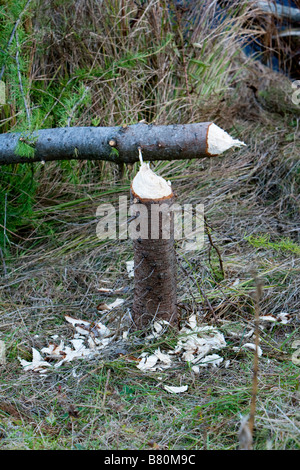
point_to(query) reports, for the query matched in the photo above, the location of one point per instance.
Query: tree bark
(155, 279)
(115, 144)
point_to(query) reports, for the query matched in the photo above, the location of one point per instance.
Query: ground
(117, 63)
(107, 402)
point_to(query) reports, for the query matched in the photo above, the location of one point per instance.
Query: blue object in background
(221, 10)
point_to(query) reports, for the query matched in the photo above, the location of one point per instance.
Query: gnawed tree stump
(154, 252)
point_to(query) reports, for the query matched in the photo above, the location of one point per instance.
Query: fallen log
(116, 144)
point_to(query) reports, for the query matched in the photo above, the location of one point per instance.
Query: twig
(178, 18)
(212, 245)
(27, 109)
(247, 424)
(201, 291)
(3, 262)
(4, 227)
(105, 388)
(258, 295)
(90, 373)
(13, 34)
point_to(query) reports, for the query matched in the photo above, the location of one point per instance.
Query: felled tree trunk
(154, 252)
(116, 144)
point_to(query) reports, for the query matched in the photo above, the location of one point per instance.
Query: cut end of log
(148, 185)
(218, 141)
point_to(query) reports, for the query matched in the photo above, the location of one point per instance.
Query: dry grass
(60, 275)
(57, 263)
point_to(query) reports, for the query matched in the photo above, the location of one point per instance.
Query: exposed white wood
(218, 141)
(147, 185)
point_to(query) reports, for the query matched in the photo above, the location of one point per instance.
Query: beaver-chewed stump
(154, 252)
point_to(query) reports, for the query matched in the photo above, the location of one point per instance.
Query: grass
(53, 262)
(133, 412)
(107, 403)
(282, 245)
